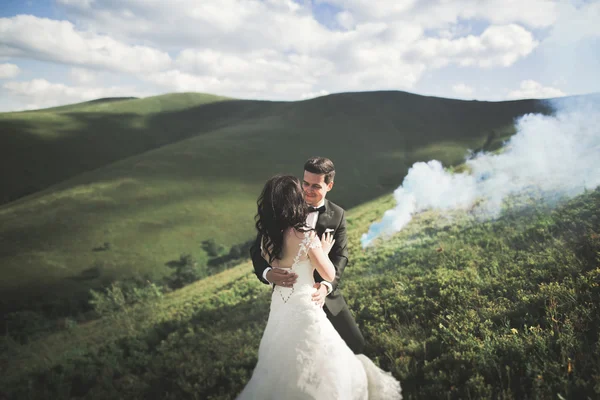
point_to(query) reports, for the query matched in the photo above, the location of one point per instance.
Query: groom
(325, 217)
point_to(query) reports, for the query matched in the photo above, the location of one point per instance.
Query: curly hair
(281, 205)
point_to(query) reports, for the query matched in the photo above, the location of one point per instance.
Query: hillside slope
(41, 148)
(154, 206)
(453, 307)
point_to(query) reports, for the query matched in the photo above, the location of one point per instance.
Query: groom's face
(315, 188)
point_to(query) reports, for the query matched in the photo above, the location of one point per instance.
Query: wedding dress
(301, 356)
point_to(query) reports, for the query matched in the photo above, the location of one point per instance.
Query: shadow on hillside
(204, 340)
(41, 152)
(64, 298)
(225, 333)
(71, 217)
(93, 140)
(359, 131)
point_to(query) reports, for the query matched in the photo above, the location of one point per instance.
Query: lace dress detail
(301, 356)
(309, 242)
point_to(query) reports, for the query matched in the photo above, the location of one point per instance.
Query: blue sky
(40, 8)
(56, 52)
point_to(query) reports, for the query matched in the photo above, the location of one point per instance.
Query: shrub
(186, 272)
(212, 248)
(22, 325)
(121, 294)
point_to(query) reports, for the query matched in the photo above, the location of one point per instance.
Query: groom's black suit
(335, 306)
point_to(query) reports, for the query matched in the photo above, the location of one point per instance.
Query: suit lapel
(324, 219)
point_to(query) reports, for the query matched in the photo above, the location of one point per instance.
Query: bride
(301, 355)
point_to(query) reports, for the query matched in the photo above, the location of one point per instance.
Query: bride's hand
(327, 242)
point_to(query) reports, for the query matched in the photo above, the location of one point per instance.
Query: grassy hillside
(454, 308)
(44, 147)
(104, 102)
(154, 206)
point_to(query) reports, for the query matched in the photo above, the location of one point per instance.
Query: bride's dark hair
(281, 205)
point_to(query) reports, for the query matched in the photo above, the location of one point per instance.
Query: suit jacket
(333, 218)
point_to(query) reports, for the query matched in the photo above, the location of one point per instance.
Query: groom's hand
(320, 295)
(281, 277)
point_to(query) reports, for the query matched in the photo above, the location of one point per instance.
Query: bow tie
(321, 209)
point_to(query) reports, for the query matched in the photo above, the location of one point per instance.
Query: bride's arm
(320, 260)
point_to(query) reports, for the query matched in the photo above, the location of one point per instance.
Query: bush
(121, 294)
(212, 248)
(236, 253)
(241, 250)
(22, 325)
(186, 272)
(506, 309)
(108, 301)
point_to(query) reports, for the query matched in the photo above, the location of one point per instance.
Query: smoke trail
(555, 155)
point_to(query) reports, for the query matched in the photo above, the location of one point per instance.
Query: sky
(55, 52)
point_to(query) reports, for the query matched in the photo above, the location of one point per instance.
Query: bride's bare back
(292, 239)
(291, 243)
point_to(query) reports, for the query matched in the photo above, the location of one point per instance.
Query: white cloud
(345, 19)
(368, 9)
(277, 49)
(576, 23)
(230, 25)
(178, 81)
(82, 75)
(531, 89)
(44, 39)
(39, 93)
(533, 13)
(312, 95)
(496, 46)
(437, 14)
(81, 4)
(8, 71)
(258, 64)
(454, 31)
(348, 61)
(463, 90)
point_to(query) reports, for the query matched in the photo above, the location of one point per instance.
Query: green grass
(149, 105)
(41, 148)
(454, 308)
(155, 177)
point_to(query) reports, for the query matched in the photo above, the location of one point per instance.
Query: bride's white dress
(302, 356)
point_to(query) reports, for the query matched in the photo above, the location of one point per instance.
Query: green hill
(454, 308)
(41, 148)
(191, 174)
(86, 104)
(145, 106)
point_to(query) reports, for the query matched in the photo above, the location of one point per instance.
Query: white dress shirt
(311, 221)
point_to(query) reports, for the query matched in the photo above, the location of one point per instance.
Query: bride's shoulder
(300, 235)
(309, 238)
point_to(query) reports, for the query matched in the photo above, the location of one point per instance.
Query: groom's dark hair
(321, 166)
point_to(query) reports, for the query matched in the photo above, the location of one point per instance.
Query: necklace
(285, 299)
(303, 250)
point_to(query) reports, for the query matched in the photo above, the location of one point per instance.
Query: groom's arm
(338, 253)
(259, 263)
